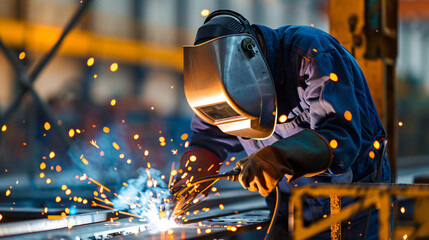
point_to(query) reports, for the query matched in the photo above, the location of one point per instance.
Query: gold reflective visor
(228, 84)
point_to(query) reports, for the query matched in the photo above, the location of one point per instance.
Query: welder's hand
(258, 173)
(195, 163)
(303, 154)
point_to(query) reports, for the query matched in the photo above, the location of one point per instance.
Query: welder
(295, 100)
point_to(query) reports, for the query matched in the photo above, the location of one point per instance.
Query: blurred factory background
(117, 78)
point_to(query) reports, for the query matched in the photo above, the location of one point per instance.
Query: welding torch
(230, 175)
(177, 200)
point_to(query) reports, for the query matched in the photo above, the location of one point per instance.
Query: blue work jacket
(320, 86)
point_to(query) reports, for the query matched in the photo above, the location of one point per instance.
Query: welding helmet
(227, 79)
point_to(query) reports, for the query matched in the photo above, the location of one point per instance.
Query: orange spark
(90, 61)
(348, 115)
(94, 143)
(4, 128)
(115, 145)
(113, 102)
(41, 175)
(376, 144)
(71, 132)
(184, 136)
(99, 184)
(106, 129)
(51, 155)
(205, 12)
(114, 67)
(333, 144)
(47, 126)
(221, 206)
(42, 166)
(333, 77)
(21, 55)
(283, 118)
(7, 193)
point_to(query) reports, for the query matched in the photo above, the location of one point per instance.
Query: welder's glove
(303, 154)
(196, 163)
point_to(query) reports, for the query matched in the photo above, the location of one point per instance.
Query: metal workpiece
(26, 229)
(128, 228)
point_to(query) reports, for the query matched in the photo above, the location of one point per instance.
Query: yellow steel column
(368, 29)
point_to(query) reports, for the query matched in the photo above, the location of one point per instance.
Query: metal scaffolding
(25, 81)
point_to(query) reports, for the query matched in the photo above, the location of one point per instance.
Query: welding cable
(274, 217)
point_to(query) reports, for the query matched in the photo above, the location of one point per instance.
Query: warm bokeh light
(4, 128)
(205, 12)
(58, 199)
(114, 67)
(283, 118)
(47, 126)
(400, 124)
(113, 102)
(371, 154)
(402, 210)
(333, 77)
(63, 187)
(136, 136)
(106, 129)
(333, 144)
(193, 158)
(90, 61)
(51, 154)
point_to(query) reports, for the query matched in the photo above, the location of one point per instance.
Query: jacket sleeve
(210, 137)
(334, 110)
